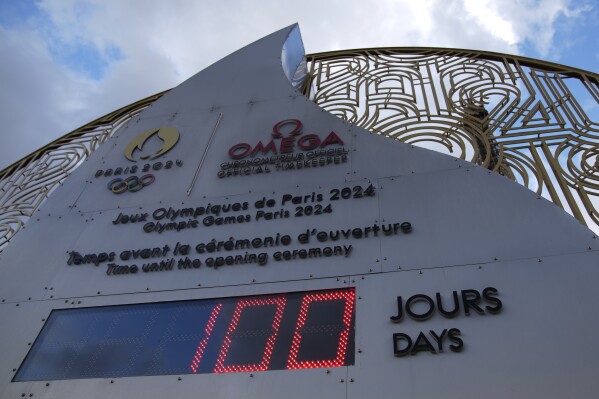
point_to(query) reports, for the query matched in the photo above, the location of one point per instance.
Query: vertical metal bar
(553, 163)
(195, 176)
(538, 162)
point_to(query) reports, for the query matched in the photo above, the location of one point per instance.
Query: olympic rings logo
(131, 183)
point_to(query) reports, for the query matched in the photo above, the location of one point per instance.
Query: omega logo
(168, 135)
(306, 142)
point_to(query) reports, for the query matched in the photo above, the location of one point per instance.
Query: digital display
(299, 330)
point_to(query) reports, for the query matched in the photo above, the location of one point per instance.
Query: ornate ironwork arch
(25, 184)
(526, 119)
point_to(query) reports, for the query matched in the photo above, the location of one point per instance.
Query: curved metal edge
(458, 52)
(104, 120)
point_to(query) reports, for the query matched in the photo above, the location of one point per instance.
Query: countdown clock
(271, 332)
(265, 248)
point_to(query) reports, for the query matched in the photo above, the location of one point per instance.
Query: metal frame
(520, 117)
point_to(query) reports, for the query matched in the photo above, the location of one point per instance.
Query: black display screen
(297, 330)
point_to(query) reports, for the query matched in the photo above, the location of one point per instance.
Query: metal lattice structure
(25, 184)
(522, 118)
(525, 119)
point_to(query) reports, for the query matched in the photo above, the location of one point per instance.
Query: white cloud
(487, 17)
(38, 97)
(518, 21)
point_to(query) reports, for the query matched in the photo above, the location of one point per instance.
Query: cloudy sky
(64, 63)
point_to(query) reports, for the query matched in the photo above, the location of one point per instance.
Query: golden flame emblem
(168, 135)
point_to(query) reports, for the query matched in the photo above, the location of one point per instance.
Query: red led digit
(242, 305)
(195, 362)
(339, 360)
